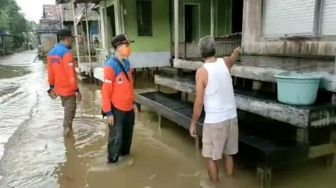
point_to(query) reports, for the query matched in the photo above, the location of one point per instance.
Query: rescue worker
(118, 99)
(62, 77)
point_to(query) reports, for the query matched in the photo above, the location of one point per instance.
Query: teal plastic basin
(297, 88)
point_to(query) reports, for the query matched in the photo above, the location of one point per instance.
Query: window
(299, 17)
(328, 18)
(144, 17)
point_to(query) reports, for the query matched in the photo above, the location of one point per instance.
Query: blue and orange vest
(117, 90)
(61, 71)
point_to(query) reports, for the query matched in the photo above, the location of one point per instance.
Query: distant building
(6, 42)
(49, 24)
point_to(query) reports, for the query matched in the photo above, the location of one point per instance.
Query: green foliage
(13, 21)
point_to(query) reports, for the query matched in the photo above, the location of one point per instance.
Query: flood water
(34, 152)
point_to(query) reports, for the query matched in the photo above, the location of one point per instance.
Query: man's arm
(231, 60)
(51, 74)
(107, 90)
(69, 63)
(201, 80)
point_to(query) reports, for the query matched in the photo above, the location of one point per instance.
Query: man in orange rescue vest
(118, 99)
(62, 77)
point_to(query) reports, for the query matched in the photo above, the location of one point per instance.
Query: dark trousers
(120, 135)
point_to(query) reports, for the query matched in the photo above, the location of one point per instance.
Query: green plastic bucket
(297, 88)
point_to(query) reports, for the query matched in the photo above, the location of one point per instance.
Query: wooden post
(212, 18)
(265, 175)
(235, 81)
(302, 135)
(159, 120)
(157, 87)
(333, 98)
(76, 34)
(331, 160)
(176, 29)
(256, 85)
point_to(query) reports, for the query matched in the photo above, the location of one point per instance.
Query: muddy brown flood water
(37, 155)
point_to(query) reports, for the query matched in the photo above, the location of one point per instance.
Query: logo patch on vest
(120, 80)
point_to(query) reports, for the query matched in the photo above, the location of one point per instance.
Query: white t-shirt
(219, 99)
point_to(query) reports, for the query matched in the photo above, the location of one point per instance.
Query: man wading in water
(214, 89)
(62, 77)
(118, 99)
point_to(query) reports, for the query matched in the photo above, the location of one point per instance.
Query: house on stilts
(276, 36)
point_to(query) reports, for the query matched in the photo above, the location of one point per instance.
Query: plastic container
(297, 88)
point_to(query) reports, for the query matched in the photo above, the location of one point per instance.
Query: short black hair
(207, 47)
(64, 33)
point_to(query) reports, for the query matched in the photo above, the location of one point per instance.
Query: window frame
(142, 33)
(317, 24)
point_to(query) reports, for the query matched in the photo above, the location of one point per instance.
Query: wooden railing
(223, 47)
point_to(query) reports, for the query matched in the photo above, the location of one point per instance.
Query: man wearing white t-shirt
(214, 90)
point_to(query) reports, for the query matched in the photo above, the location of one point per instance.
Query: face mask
(126, 51)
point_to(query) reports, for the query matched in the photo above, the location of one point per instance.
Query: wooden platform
(267, 153)
(318, 115)
(264, 68)
(169, 106)
(263, 152)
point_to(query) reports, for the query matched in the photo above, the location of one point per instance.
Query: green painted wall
(160, 41)
(223, 17)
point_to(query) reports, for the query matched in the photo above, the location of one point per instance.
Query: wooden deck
(263, 68)
(277, 150)
(169, 106)
(318, 115)
(283, 139)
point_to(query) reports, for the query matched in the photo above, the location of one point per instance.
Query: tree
(13, 21)
(3, 20)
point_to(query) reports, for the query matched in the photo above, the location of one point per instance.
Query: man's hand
(236, 54)
(78, 96)
(237, 51)
(136, 110)
(192, 130)
(110, 120)
(52, 94)
(230, 61)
